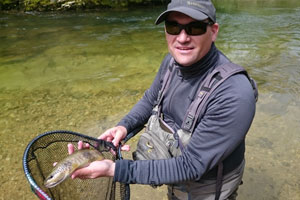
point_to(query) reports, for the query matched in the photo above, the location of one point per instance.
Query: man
(210, 164)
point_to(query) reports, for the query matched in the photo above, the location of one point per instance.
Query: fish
(68, 165)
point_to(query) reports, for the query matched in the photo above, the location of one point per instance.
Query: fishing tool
(49, 147)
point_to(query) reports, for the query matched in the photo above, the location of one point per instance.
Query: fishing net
(51, 147)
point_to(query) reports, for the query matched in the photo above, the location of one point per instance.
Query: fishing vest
(159, 141)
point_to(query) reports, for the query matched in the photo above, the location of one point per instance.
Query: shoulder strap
(166, 82)
(210, 83)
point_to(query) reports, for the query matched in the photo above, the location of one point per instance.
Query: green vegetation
(54, 5)
(48, 5)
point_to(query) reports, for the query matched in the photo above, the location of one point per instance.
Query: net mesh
(51, 147)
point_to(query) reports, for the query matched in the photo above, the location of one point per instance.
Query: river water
(83, 71)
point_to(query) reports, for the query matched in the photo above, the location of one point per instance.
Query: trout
(68, 165)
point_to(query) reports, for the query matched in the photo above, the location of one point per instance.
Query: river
(83, 71)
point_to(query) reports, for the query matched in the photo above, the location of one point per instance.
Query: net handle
(132, 134)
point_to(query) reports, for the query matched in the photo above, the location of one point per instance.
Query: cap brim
(195, 14)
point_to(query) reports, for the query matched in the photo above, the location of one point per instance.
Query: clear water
(83, 71)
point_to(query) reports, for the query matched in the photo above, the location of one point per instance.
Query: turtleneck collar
(208, 61)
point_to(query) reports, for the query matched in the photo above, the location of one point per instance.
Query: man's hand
(95, 169)
(115, 135)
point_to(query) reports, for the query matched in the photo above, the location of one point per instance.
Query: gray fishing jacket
(219, 134)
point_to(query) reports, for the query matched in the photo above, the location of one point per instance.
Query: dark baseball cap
(196, 9)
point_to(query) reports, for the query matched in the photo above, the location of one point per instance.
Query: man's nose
(183, 36)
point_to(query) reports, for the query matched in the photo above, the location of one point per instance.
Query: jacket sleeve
(141, 112)
(227, 118)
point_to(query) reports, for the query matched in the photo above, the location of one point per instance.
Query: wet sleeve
(227, 119)
(141, 112)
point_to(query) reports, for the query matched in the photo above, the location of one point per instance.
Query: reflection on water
(84, 71)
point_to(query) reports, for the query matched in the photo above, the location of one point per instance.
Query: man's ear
(214, 30)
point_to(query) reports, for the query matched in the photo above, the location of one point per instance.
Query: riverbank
(63, 5)
(83, 5)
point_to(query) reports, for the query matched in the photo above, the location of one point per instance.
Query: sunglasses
(193, 28)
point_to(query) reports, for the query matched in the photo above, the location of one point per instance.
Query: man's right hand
(115, 135)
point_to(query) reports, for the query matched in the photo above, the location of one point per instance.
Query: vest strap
(209, 84)
(165, 84)
(219, 181)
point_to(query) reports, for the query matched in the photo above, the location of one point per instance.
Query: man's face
(187, 49)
